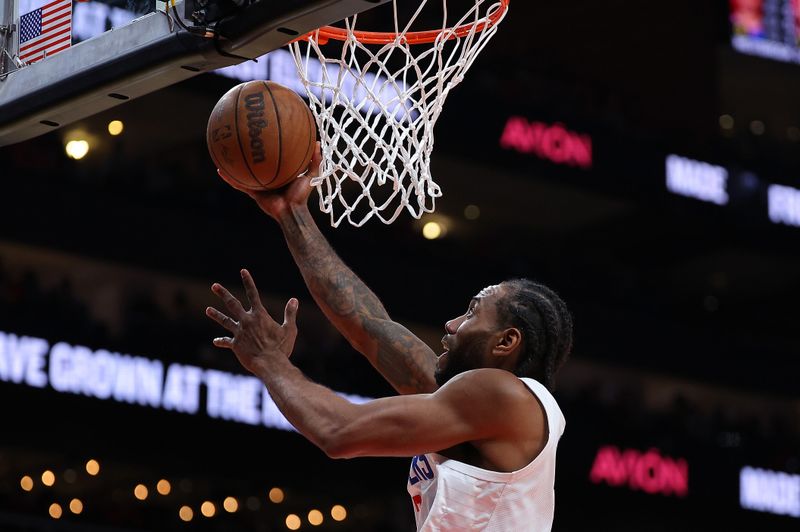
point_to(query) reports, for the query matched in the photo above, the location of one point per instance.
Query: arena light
(48, 478)
(774, 492)
(293, 522)
(140, 492)
(75, 506)
(93, 467)
(276, 495)
(726, 122)
(757, 127)
(185, 513)
(163, 487)
(55, 511)
(432, 230)
(338, 512)
(472, 212)
(315, 517)
(77, 149)
(230, 504)
(253, 503)
(115, 127)
(208, 509)
(26, 483)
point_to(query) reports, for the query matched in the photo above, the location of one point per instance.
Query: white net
(376, 106)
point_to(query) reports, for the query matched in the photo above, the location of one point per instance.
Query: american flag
(45, 31)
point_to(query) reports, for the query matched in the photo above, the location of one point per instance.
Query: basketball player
(478, 420)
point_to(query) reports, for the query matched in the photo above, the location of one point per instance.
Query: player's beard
(466, 355)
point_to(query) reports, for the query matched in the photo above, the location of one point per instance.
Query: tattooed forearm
(402, 358)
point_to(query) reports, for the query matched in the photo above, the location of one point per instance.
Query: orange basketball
(261, 135)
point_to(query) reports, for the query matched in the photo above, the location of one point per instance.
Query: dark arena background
(642, 158)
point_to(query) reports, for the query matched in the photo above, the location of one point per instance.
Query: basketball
(261, 135)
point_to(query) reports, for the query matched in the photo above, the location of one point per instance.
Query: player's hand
(257, 338)
(278, 202)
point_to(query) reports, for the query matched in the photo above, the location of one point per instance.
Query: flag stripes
(45, 31)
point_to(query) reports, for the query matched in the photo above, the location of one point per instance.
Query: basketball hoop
(376, 102)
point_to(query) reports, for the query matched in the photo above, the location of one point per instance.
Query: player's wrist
(292, 214)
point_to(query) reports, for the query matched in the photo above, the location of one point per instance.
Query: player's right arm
(404, 360)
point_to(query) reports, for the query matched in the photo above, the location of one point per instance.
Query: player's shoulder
(491, 383)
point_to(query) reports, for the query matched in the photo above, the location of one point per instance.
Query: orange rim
(412, 37)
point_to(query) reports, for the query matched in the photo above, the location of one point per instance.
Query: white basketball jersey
(449, 495)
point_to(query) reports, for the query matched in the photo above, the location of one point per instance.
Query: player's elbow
(337, 452)
(338, 444)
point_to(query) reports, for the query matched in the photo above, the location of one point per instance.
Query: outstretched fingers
(290, 313)
(251, 290)
(252, 330)
(229, 323)
(231, 303)
(225, 342)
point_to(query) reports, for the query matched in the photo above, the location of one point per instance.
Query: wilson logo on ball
(254, 103)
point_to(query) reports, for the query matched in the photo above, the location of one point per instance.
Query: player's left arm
(472, 406)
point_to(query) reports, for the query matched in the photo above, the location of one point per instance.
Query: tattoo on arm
(402, 358)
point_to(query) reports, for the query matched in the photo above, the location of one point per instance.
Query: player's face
(468, 342)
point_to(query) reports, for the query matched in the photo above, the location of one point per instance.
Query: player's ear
(508, 341)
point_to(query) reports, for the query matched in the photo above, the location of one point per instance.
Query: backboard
(140, 53)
